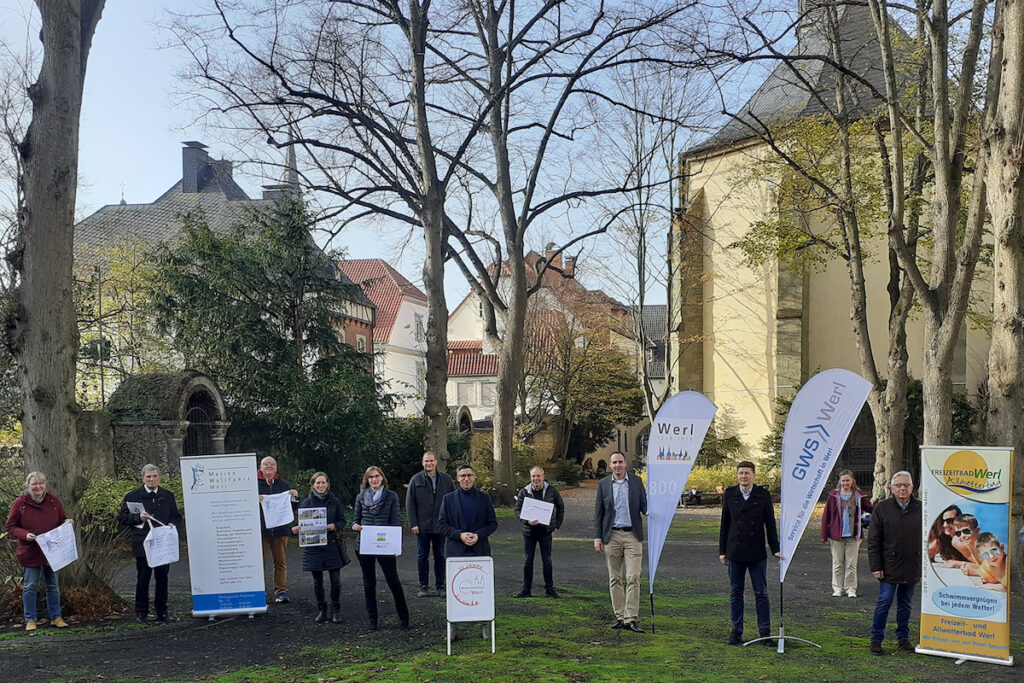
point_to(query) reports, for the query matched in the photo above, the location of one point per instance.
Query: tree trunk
(43, 327)
(937, 384)
(1006, 206)
(510, 370)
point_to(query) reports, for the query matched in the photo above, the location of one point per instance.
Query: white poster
(677, 433)
(818, 423)
(470, 586)
(161, 546)
(534, 510)
(225, 554)
(380, 540)
(59, 546)
(277, 509)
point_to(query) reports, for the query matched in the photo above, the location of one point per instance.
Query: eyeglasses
(466, 476)
(901, 486)
(963, 532)
(948, 521)
(991, 554)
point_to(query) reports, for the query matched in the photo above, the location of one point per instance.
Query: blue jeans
(759, 582)
(530, 542)
(424, 542)
(33, 576)
(904, 594)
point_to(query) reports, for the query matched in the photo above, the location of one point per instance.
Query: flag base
(782, 637)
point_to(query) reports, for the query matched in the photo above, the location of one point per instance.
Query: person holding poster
(894, 553)
(35, 512)
(841, 529)
(422, 505)
(275, 539)
(467, 518)
(378, 506)
(325, 558)
(748, 519)
(140, 508)
(536, 533)
(619, 534)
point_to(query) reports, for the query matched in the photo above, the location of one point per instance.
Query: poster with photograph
(965, 569)
(312, 527)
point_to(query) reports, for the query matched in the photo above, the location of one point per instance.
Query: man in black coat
(748, 519)
(423, 504)
(894, 554)
(619, 534)
(535, 533)
(159, 506)
(466, 518)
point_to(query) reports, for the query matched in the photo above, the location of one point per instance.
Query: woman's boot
(321, 616)
(335, 613)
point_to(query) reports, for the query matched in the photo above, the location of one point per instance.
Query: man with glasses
(894, 554)
(467, 518)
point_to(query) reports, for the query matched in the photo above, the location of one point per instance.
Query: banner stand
(483, 634)
(961, 658)
(782, 630)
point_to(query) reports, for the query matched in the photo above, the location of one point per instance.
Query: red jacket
(28, 516)
(831, 520)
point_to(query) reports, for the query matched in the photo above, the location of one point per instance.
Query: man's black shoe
(769, 642)
(525, 593)
(141, 618)
(632, 626)
(876, 647)
(552, 593)
(165, 618)
(619, 624)
(905, 645)
(735, 639)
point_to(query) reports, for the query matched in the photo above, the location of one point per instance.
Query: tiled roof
(465, 345)
(475, 364)
(783, 96)
(385, 287)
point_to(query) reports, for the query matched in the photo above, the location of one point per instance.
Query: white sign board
(277, 509)
(59, 546)
(380, 540)
(536, 510)
(470, 587)
(225, 553)
(161, 546)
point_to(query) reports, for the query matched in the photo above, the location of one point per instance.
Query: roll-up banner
(818, 423)
(676, 436)
(965, 598)
(225, 555)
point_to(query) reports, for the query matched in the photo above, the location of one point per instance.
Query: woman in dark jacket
(33, 513)
(377, 506)
(841, 529)
(318, 559)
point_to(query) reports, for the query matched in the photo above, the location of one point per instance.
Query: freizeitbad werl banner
(965, 599)
(225, 554)
(677, 433)
(819, 421)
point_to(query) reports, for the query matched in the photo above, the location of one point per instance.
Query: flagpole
(652, 611)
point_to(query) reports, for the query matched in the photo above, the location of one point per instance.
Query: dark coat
(160, 505)
(550, 495)
(831, 519)
(451, 524)
(894, 541)
(265, 489)
(423, 501)
(604, 508)
(325, 557)
(382, 513)
(745, 524)
(29, 517)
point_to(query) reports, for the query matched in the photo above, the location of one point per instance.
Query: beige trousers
(844, 564)
(623, 549)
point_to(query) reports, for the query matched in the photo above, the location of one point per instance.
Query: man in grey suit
(619, 534)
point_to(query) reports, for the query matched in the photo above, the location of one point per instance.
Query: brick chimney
(193, 159)
(570, 265)
(549, 255)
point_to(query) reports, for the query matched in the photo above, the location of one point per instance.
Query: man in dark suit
(467, 518)
(619, 534)
(748, 517)
(160, 507)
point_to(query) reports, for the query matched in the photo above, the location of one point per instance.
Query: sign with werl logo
(470, 586)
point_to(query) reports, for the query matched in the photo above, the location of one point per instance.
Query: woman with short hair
(377, 506)
(325, 558)
(841, 529)
(33, 513)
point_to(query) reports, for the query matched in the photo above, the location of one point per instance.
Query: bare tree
(42, 325)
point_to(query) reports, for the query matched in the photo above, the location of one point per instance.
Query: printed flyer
(965, 601)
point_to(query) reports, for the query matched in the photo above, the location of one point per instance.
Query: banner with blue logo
(965, 568)
(818, 423)
(225, 551)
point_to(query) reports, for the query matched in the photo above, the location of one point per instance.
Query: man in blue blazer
(467, 518)
(619, 534)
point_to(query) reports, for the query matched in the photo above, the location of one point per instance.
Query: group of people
(456, 520)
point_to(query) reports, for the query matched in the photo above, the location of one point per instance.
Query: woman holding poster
(377, 506)
(325, 558)
(33, 513)
(841, 529)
